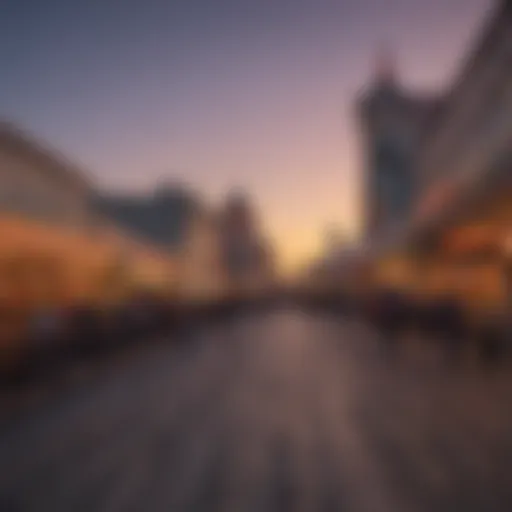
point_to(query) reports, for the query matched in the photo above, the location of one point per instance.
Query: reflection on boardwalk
(281, 412)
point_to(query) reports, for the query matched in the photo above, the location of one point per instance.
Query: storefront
(42, 265)
(458, 247)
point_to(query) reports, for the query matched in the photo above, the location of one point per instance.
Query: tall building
(247, 257)
(457, 240)
(465, 162)
(393, 121)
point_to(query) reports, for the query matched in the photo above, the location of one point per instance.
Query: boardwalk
(285, 412)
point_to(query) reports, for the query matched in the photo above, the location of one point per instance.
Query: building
(393, 121)
(174, 220)
(247, 256)
(162, 218)
(54, 246)
(39, 183)
(44, 204)
(202, 276)
(464, 217)
(456, 240)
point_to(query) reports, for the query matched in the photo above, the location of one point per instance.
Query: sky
(253, 94)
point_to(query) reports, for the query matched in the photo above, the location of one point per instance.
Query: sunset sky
(248, 93)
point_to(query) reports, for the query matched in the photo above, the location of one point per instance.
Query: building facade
(392, 123)
(247, 256)
(55, 247)
(456, 239)
(201, 275)
(39, 183)
(464, 218)
(475, 128)
(162, 218)
(174, 220)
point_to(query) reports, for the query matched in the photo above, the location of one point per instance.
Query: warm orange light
(473, 239)
(43, 263)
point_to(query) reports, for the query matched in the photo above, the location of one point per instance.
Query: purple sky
(220, 93)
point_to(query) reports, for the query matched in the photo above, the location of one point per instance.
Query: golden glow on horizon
(301, 247)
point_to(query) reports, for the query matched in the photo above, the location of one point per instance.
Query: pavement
(282, 411)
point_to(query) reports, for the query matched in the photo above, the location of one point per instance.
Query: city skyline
(251, 94)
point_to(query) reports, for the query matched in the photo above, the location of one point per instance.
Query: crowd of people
(55, 337)
(441, 319)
